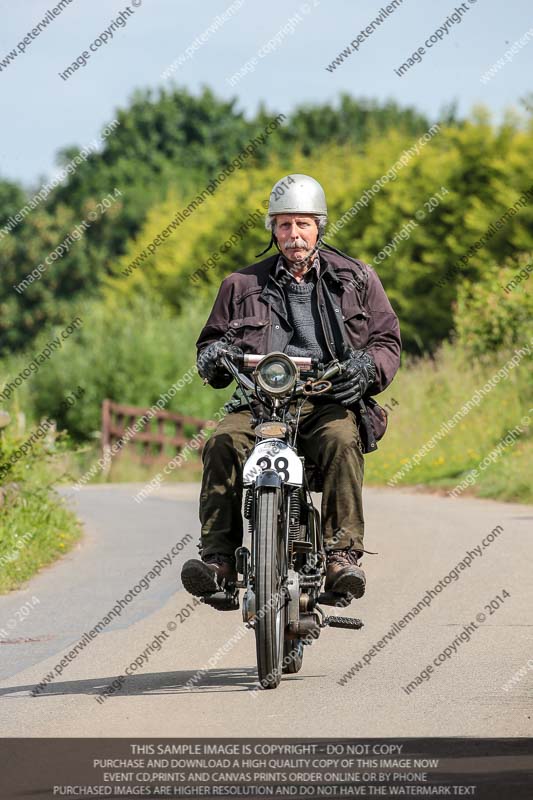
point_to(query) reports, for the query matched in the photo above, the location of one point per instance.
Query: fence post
(106, 435)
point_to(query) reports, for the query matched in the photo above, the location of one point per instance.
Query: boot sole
(349, 584)
(198, 579)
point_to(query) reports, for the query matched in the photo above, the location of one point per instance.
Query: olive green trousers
(327, 435)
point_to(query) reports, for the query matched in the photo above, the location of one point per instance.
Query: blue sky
(42, 112)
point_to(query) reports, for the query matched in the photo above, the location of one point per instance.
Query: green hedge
(35, 525)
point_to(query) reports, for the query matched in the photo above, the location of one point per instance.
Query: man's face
(296, 235)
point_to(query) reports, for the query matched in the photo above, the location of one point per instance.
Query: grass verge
(35, 525)
(428, 393)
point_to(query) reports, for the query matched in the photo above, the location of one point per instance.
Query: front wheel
(269, 594)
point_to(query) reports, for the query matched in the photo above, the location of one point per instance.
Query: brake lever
(232, 369)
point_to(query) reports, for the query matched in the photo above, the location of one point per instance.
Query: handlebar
(249, 361)
(304, 363)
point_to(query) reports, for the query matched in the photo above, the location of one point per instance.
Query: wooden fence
(153, 440)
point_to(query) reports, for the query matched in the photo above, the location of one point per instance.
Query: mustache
(297, 245)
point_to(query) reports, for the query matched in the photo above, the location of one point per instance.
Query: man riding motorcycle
(306, 301)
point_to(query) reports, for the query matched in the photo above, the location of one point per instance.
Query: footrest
(344, 622)
(222, 601)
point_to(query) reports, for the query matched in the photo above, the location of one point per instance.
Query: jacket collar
(283, 275)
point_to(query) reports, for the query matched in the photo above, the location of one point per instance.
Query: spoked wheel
(293, 656)
(269, 598)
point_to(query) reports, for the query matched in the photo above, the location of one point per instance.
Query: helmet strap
(272, 241)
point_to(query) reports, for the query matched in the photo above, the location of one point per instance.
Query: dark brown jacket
(250, 311)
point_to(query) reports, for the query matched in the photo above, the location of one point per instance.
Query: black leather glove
(209, 366)
(356, 378)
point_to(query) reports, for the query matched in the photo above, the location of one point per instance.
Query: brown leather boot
(344, 575)
(212, 574)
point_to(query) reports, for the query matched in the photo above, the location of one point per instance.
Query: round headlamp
(276, 374)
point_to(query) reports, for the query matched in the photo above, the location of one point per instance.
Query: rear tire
(269, 599)
(293, 656)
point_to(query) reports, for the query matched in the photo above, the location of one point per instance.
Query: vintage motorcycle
(283, 571)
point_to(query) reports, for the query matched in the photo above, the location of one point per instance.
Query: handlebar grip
(331, 371)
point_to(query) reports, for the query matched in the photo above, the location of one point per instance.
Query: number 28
(280, 465)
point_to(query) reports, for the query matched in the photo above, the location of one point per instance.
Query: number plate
(274, 454)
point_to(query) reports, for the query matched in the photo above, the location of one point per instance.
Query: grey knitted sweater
(302, 308)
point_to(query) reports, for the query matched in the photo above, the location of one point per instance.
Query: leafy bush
(132, 354)
(496, 311)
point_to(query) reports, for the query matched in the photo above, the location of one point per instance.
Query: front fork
(303, 583)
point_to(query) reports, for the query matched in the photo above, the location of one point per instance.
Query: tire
(293, 656)
(269, 567)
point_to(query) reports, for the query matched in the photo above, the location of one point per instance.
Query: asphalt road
(420, 539)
